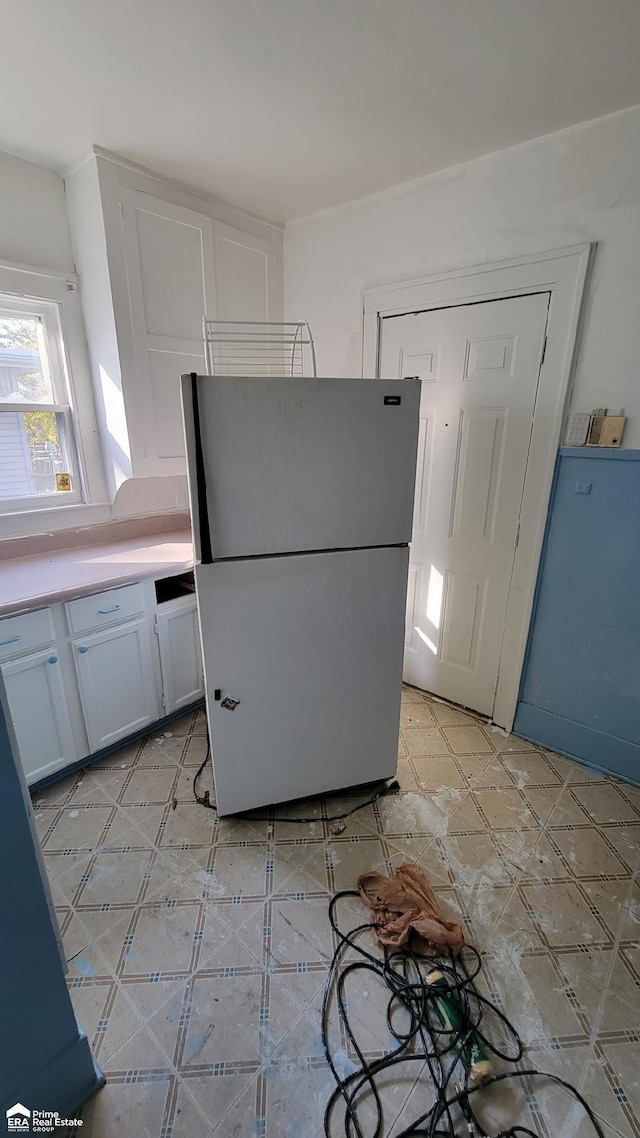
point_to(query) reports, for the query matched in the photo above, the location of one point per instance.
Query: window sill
(28, 523)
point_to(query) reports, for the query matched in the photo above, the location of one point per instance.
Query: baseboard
(605, 753)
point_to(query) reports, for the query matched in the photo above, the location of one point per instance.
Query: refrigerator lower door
(311, 647)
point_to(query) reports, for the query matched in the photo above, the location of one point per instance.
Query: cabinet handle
(105, 612)
(11, 640)
(83, 649)
(53, 659)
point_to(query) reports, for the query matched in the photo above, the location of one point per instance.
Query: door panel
(479, 366)
(180, 658)
(170, 275)
(115, 675)
(38, 710)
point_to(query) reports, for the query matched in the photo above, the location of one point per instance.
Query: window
(38, 453)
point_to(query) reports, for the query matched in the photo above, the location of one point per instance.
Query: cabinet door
(115, 675)
(180, 656)
(170, 276)
(38, 710)
(248, 277)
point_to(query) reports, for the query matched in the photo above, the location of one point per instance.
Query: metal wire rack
(244, 347)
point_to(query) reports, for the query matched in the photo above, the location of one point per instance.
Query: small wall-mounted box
(612, 429)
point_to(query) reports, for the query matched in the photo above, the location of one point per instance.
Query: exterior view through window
(37, 453)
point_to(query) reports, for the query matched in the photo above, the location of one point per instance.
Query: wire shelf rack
(243, 347)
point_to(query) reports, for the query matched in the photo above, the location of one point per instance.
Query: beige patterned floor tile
(296, 1094)
(568, 811)
(348, 860)
(626, 840)
(127, 1108)
(115, 878)
(189, 825)
(587, 853)
(529, 768)
(469, 740)
(422, 852)
(544, 861)
(495, 774)
(139, 1053)
(151, 994)
(78, 828)
(57, 793)
(149, 787)
(120, 1021)
(300, 932)
(186, 1119)
(163, 750)
(436, 771)
(195, 751)
(88, 927)
(425, 741)
(604, 803)
(227, 1100)
(559, 912)
(215, 1004)
(610, 1066)
(417, 715)
(242, 870)
(90, 963)
(427, 813)
(504, 808)
(89, 999)
(163, 939)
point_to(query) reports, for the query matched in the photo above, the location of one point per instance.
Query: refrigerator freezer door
(294, 465)
(311, 648)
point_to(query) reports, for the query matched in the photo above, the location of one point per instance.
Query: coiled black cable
(404, 974)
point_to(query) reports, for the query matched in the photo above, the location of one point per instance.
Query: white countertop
(48, 578)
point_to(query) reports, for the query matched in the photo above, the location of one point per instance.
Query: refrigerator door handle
(201, 485)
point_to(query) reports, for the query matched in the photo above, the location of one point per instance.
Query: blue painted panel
(583, 659)
(45, 1059)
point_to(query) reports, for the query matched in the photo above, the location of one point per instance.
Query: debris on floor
(405, 911)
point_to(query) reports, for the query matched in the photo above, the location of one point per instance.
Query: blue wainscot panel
(580, 692)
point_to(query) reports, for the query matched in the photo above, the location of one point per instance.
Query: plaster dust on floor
(172, 915)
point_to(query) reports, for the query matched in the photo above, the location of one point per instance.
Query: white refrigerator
(302, 501)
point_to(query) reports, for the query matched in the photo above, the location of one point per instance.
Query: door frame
(563, 273)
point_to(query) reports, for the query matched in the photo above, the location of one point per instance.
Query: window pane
(33, 454)
(24, 367)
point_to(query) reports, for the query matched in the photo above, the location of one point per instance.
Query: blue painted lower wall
(45, 1059)
(580, 691)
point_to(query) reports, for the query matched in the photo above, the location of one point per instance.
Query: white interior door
(479, 365)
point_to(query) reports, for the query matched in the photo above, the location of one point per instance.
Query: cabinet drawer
(102, 609)
(20, 634)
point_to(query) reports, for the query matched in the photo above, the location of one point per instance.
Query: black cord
(424, 1040)
(267, 816)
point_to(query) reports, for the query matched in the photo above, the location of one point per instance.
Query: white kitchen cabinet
(155, 257)
(180, 655)
(116, 680)
(38, 709)
(170, 277)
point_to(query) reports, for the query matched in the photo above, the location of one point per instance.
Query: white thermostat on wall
(577, 428)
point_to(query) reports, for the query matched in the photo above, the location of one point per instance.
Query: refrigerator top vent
(242, 347)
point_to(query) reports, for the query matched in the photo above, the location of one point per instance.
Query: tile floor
(198, 947)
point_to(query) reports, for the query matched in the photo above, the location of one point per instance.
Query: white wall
(34, 229)
(581, 184)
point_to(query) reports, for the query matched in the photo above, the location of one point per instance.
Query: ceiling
(289, 106)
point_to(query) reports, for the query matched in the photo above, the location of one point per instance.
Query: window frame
(48, 312)
(26, 287)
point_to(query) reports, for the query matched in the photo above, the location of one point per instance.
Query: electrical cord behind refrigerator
(422, 1038)
(205, 800)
